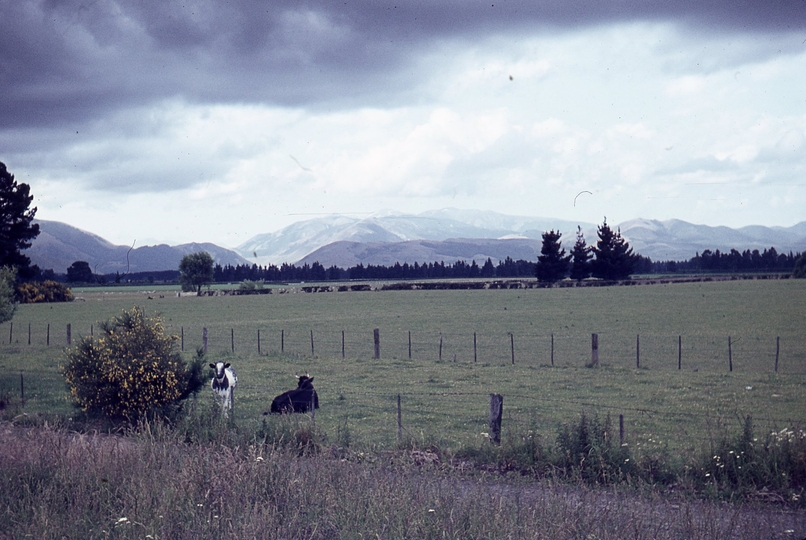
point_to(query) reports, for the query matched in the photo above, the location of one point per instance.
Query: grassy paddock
(445, 402)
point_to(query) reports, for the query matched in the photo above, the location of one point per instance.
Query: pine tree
(16, 230)
(552, 263)
(614, 256)
(580, 258)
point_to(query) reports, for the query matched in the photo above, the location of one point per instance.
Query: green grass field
(445, 402)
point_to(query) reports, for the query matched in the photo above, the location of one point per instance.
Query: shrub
(746, 465)
(130, 369)
(46, 291)
(587, 451)
(248, 286)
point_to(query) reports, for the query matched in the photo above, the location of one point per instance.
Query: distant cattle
(297, 400)
(224, 382)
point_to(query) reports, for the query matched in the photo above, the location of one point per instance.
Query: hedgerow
(130, 369)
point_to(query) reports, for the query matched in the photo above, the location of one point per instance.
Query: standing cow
(297, 400)
(224, 382)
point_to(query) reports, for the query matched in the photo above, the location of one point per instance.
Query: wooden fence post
(342, 345)
(69, 335)
(409, 344)
(679, 352)
(313, 353)
(730, 355)
(204, 340)
(258, 341)
(777, 351)
(496, 413)
(399, 422)
(594, 350)
(475, 352)
(552, 350)
(29, 333)
(512, 346)
(10, 331)
(232, 339)
(440, 346)
(376, 334)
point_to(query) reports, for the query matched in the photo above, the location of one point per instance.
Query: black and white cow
(298, 400)
(224, 382)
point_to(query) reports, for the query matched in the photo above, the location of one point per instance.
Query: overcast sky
(171, 122)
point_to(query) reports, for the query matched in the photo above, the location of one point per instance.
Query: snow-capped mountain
(380, 238)
(679, 240)
(389, 237)
(297, 241)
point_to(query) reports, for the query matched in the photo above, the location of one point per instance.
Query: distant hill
(384, 239)
(448, 235)
(296, 242)
(678, 240)
(59, 245)
(346, 254)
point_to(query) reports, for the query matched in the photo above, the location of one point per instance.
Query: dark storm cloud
(64, 62)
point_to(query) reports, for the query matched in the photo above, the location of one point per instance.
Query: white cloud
(621, 111)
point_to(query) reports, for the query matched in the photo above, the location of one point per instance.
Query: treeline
(768, 260)
(709, 261)
(317, 272)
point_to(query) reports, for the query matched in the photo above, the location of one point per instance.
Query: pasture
(445, 401)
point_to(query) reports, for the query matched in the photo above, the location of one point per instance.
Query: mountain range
(59, 245)
(386, 238)
(449, 235)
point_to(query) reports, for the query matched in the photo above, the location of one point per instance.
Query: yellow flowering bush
(130, 368)
(33, 292)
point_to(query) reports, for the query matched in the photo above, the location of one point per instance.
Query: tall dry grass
(155, 483)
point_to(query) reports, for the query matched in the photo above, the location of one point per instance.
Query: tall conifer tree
(580, 258)
(16, 229)
(614, 256)
(552, 263)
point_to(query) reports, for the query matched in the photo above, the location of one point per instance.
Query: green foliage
(746, 465)
(614, 258)
(294, 433)
(153, 484)
(196, 270)
(8, 276)
(248, 286)
(130, 369)
(800, 267)
(552, 263)
(80, 272)
(16, 229)
(34, 292)
(580, 258)
(586, 450)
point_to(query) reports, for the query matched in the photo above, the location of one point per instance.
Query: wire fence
(711, 352)
(387, 416)
(706, 351)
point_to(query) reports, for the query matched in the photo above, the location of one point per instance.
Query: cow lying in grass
(224, 382)
(298, 400)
